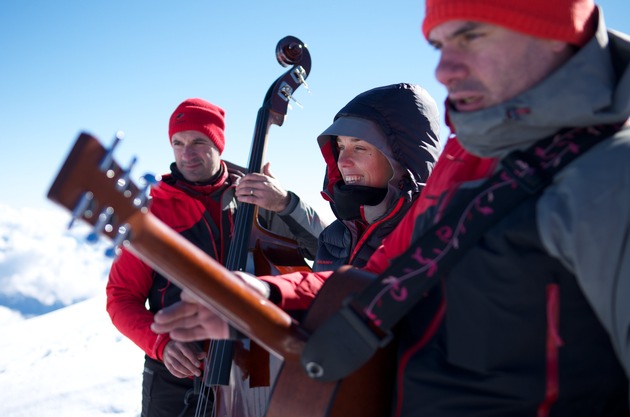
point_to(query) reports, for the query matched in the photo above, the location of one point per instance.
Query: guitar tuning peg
(149, 180)
(83, 208)
(108, 159)
(121, 237)
(101, 224)
(123, 182)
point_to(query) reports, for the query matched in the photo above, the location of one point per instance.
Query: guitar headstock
(94, 188)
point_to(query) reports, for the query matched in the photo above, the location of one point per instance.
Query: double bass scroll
(289, 51)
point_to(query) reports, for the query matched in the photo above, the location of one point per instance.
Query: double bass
(240, 373)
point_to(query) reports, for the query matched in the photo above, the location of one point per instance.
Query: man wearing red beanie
(199, 200)
(532, 319)
(520, 306)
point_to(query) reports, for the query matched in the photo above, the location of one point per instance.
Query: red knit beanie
(202, 116)
(564, 20)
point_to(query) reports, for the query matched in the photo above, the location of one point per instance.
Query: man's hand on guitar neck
(189, 321)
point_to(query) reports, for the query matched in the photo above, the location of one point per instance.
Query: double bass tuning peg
(286, 92)
(299, 75)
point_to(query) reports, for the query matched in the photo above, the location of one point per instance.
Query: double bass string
(290, 51)
(206, 390)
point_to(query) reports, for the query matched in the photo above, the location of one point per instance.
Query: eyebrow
(465, 27)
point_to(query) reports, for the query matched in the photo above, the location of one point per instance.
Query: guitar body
(366, 393)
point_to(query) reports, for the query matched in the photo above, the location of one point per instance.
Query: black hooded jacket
(407, 119)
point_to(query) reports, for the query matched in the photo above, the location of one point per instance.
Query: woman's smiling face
(360, 163)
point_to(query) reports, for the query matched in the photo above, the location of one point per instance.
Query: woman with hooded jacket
(400, 122)
(379, 152)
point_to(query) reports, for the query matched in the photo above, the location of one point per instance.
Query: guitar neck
(219, 289)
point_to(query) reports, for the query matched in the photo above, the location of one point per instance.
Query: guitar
(95, 189)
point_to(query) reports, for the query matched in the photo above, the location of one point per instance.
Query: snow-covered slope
(60, 356)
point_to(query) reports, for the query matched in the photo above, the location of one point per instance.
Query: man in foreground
(532, 320)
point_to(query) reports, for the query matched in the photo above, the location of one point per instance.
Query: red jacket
(132, 282)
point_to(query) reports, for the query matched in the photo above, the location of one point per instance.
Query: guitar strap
(351, 336)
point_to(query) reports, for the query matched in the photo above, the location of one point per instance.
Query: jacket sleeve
(299, 222)
(127, 291)
(295, 291)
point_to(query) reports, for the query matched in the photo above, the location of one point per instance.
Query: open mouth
(467, 103)
(352, 179)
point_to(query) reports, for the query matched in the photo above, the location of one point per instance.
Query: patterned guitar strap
(351, 336)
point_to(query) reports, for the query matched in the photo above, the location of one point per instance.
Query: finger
(175, 372)
(181, 369)
(180, 323)
(246, 192)
(179, 310)
(182, 359)
(172, 363)
(191, 334)
(209, 326)
(267, 170)
(250, 180)
(191, 353)
(165, 321)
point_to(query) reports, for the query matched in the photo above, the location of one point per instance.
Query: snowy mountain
(59, 353)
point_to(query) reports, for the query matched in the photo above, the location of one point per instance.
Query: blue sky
(103, 66)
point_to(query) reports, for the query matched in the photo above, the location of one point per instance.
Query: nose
(344, 160)
(187, 151)
(451, 67)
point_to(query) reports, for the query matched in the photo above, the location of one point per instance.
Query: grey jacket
(583, 218)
